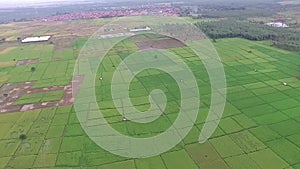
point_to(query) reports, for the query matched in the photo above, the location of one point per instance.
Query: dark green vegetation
(282, 38)
(236, 12)
(22, 137)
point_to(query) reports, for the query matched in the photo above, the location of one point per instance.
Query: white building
(278, 24)
(140, 29)
(36, 39)
(116, 35)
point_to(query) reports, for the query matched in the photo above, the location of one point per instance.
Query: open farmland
(260, 127)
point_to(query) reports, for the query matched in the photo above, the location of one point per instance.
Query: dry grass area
(6, 50)
(7, 64)
(59, 30)
(63, 34)
(63, 42)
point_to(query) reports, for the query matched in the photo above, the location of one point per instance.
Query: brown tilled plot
(153, 41)
(28, 62)
(10, 93)
(159, 44)
(61, 43)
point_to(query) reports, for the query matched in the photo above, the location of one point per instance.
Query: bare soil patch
(160, 44)
(61, 43)
(28, 62)
(10, 93)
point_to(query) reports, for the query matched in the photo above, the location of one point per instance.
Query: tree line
(283, 38)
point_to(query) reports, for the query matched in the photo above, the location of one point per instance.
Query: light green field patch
(73, 118)
(276, 96)
(268, 159)
(29, 146)
(259, 110)
(297, 166)
(73, 130)
(242, 94)
(228, 125)
(255, 85)
(264, 133)
(101, 157)
(268, 70)
(38, 130)
(270, 118)
(226, 147)
(22, 161)
(193, 136)
(218, 132)
(205, 156)
(8, 147)
(247, 142)
(241, 161)
(55, 131)
(286, 150)
(29, 116)
(40, 97)
(5, 127)
(244, 121)
(286, 128)
(150, 163)
(202, 115)
(39, 72)
(18, 129)
(31, 51)
(50, 146)
(70, 144)
(285, 104)
(45, 117)
(66, 54)
(4, 79)
(71, 159)
(230, 110)
(4, 161)
(124, 164)
(265, 90)
(294, 112)
(60, 119)
(249, 102)
(295, 139)
(178, 160)
(45, 160)
(63, 109)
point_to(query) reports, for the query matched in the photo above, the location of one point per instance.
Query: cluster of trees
(240, 13)
(283, 38)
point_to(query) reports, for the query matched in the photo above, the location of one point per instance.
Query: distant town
(163, 10)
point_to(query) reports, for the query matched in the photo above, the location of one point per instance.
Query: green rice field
(260, 127)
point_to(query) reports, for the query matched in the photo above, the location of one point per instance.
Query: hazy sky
(17, 3)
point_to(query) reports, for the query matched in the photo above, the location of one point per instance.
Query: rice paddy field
(259, 129)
